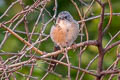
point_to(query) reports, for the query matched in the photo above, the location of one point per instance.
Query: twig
(95, 17)
(106, 28)
(111, 46)
(68, 48)
(73, 67)
(9, 8)
(99, 41)
(21, 39)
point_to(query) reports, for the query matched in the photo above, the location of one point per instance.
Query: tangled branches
(35, 42)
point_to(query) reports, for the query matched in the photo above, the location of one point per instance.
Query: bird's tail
(53, 64)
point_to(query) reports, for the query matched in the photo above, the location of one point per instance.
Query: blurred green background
(14, 45)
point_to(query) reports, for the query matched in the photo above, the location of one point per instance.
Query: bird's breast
(64, 33)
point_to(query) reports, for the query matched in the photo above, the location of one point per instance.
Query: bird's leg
(74, 47)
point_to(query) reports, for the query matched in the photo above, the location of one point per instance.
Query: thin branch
(110, 72)
(5, 13)
(21, 39)
(111, 46)
(19, 64)
(73, 67)
(94, 42)
(95, 17)
(110, 20)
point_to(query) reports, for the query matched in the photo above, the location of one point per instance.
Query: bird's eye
(65, 17)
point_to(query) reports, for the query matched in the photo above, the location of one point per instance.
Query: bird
(64, 32)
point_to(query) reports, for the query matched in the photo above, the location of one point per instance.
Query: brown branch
(110, 72)
(22, 32)
(21, 39)
(36, 22)
(5, 13)
(95, 17)
(65, 64)
(28, 37)
(99, 41)
(24, 75)
(92, 42)
(46, 59)
(118, 33)
(111, 46)
(13, 63)
(19, 64)
(40, 52)
(28, 10)
(106, 28)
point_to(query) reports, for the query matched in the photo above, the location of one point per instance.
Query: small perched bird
(64, 32)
